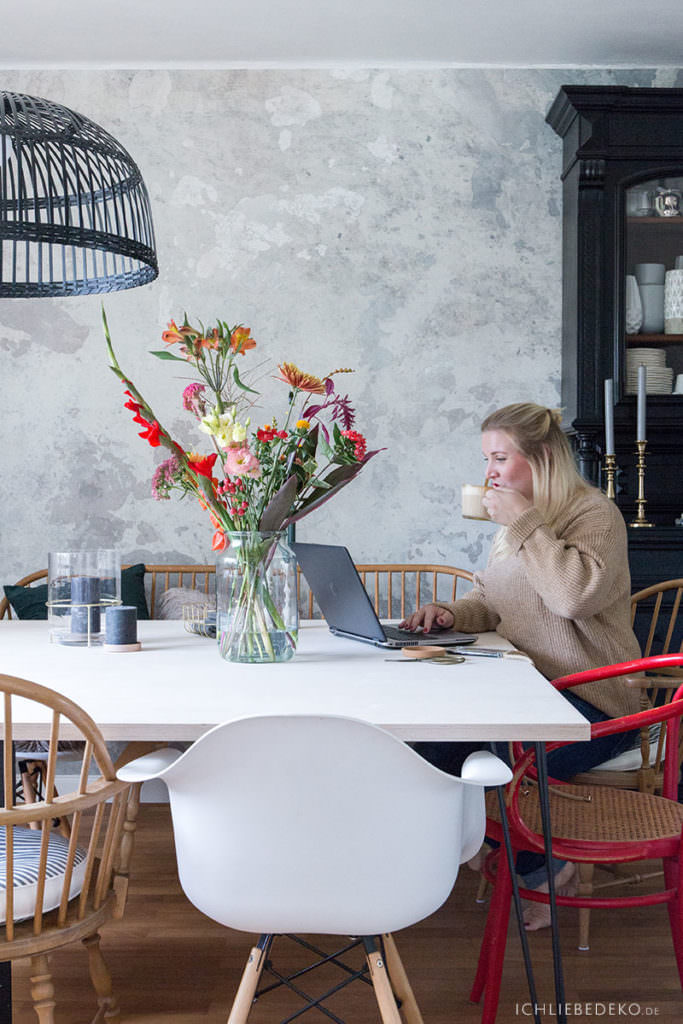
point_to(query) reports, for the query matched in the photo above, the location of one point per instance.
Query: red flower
(151, 433)
(219, 542)
(202, 464)
(360, 444)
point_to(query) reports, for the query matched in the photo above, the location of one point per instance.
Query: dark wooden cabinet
(619, 142)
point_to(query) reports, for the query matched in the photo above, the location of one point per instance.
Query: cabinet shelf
(633, 340)
(659, 221)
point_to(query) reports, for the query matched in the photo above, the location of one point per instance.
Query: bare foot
(537, 915)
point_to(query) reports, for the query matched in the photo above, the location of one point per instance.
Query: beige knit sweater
(563, 597)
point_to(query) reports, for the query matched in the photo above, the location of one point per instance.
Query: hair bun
(556, 416)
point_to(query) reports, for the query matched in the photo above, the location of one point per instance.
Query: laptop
(346, 605)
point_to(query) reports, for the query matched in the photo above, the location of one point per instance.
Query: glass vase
(257, 618)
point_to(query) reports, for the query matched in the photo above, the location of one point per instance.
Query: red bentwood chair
(597, 825)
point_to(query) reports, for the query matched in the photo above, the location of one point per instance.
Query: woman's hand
(504, 505)
(428, 616)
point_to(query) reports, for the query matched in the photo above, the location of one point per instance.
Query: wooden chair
(58, 890)
(590, 825)
(655, 617)
(396, 589)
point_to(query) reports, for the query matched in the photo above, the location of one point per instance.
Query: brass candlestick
(610, 471)
(640, 519)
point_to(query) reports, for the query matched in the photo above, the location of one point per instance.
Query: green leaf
(240, 384)
(165, 354)
(326, 448)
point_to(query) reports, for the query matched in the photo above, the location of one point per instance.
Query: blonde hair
(536, 433)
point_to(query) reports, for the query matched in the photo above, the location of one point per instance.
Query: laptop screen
(338, 589)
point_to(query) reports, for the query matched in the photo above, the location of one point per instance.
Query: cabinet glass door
(653, 297)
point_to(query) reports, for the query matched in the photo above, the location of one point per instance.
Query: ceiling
(313, 33)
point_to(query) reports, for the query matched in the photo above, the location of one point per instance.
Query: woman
(557, 586)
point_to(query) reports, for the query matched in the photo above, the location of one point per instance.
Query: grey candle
(85, 593)
(121, 624)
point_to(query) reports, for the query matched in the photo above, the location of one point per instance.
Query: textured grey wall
(406, 223)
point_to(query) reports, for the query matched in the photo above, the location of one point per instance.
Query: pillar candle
(121, 624)
(609, 417)
(85, 591)
(642, 385)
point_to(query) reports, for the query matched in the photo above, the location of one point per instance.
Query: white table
(178, 686)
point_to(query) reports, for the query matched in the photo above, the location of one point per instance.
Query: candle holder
(610, 473)
(81, 585)
(641, 502)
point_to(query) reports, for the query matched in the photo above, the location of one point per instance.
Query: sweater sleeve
(573, 574)
(471, 613)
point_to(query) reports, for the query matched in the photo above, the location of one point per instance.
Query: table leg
(544, 799)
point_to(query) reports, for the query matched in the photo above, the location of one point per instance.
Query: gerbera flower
(301, 380)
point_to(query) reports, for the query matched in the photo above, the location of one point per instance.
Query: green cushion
(30, 602)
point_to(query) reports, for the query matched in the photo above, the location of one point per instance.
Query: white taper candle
(609, 417)
(642, 386)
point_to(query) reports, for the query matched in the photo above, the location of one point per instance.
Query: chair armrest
(149, 766)
(665, 679)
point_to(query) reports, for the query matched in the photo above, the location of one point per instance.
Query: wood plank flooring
(171, 965)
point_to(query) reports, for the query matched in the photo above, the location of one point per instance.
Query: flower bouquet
(254, 482)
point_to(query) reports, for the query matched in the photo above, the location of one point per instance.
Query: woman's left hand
(504, 505)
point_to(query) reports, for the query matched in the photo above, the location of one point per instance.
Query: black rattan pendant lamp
(75, 216)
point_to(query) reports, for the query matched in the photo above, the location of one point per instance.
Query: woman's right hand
(429, 616)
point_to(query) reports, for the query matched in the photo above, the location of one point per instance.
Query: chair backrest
(319, 824)
(655, 617)
(40, 870)
(396, 589)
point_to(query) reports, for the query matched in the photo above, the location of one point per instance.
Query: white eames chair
(319, 825)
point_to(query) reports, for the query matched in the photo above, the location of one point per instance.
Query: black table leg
(544, 799)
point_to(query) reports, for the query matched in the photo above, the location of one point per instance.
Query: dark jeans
(562, 764)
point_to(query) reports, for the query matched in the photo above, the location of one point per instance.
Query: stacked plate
(660, 377)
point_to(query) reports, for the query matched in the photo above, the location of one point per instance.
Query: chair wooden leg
(673, 876)
(386, 1001)
(585, 888)
(42, 989)
(399, 982)
(108, 1007)
(249, 981)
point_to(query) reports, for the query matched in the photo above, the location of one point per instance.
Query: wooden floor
(191, 973)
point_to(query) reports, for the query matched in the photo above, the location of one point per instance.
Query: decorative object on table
(80, 586)
(200, 619)
(641, 444)
(75, 216)
(679, 521)
(678, 263)
(650, 273)
(256, 484)
(121, 629)
(678, 388)
(673, 302)
(652, 299)
(659, 375)
(634, 306)
(667, 202)
(256, 612)
(610, 456)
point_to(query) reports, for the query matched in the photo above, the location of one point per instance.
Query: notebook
(346, 605)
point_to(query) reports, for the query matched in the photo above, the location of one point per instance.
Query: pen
(481, 652)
